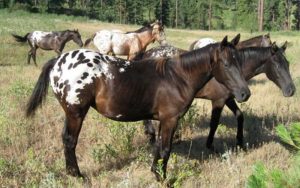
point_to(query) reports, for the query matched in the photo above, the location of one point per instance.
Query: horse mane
(256, 53)
(191, 59)
(140, 30)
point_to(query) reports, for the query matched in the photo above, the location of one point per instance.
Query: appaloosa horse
(161, 89)
(261, 40)
(54, 40)
(255, 60)
(129, 43)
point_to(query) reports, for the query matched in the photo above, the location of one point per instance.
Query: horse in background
(128, 43)
(161, 89)
(54, 40)
(261, 40)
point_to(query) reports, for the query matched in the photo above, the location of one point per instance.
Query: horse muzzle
(289, 90)
(242, 95)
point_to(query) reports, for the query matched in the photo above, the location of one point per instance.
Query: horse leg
(217, 108)
(231, 104)
(73, 124)
(29, 56)
(163, 147)
(149, 130)
(34, 56)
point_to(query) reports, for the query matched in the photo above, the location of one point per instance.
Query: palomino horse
(261, 40)
(130, 43)
(54, 40)
(255, 60)
(161, 89)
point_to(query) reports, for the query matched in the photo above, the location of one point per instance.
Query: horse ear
(224, 42)
(274, 47)
(236, 39)
(283, 47)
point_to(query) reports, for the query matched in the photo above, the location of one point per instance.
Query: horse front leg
(217, 108)
(231, 104)
(73, 124)
(163, 147)
(149, 130)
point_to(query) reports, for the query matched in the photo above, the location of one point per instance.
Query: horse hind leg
(29, 56)
(34, 56)
(72, 127)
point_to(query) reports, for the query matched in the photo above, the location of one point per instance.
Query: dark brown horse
(54, 40)
(261, 40)
(255, 60)
(127, 43)
(160, 89)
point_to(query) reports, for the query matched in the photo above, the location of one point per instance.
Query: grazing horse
(254, 60)
(129, 43)
(54, 40)
(261, 40)
(161, 89)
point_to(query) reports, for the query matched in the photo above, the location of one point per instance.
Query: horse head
(158, 32)
(227, 70)
(76, 37)
(277, 70)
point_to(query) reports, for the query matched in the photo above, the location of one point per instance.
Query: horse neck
(253, 61)
(196, 67)
(65, 36)
(145, 38)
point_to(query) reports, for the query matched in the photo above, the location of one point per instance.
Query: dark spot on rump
(107, 58)
(70, 66)
(90, 65)
(102, 58)
(67, 88)
(96, 61)
(62, 61)
(74, 53)
(66, 82)
(86, 61)
(85, 75)
(79, 81)
(61, 85)
(81, 57)
(77, 90)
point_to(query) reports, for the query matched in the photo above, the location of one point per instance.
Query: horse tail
(87, 42)
(20, 38)
(193, 45)
(41, 88)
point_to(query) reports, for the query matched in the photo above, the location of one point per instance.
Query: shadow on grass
(257, 131)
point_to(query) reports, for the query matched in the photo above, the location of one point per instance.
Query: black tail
(20, 38)
(87, 42)
(41, 88)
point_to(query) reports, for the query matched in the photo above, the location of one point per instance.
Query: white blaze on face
(39, 35)
(76, 74)
(203, 42)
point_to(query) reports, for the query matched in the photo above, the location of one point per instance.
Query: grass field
(113, 154)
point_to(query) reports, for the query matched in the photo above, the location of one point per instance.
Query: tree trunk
(209, 16)
(176, 8)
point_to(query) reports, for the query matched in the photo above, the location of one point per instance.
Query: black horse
(161, 89)
(54, 40)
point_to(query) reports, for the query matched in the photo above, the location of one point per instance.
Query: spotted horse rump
(76, 70)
